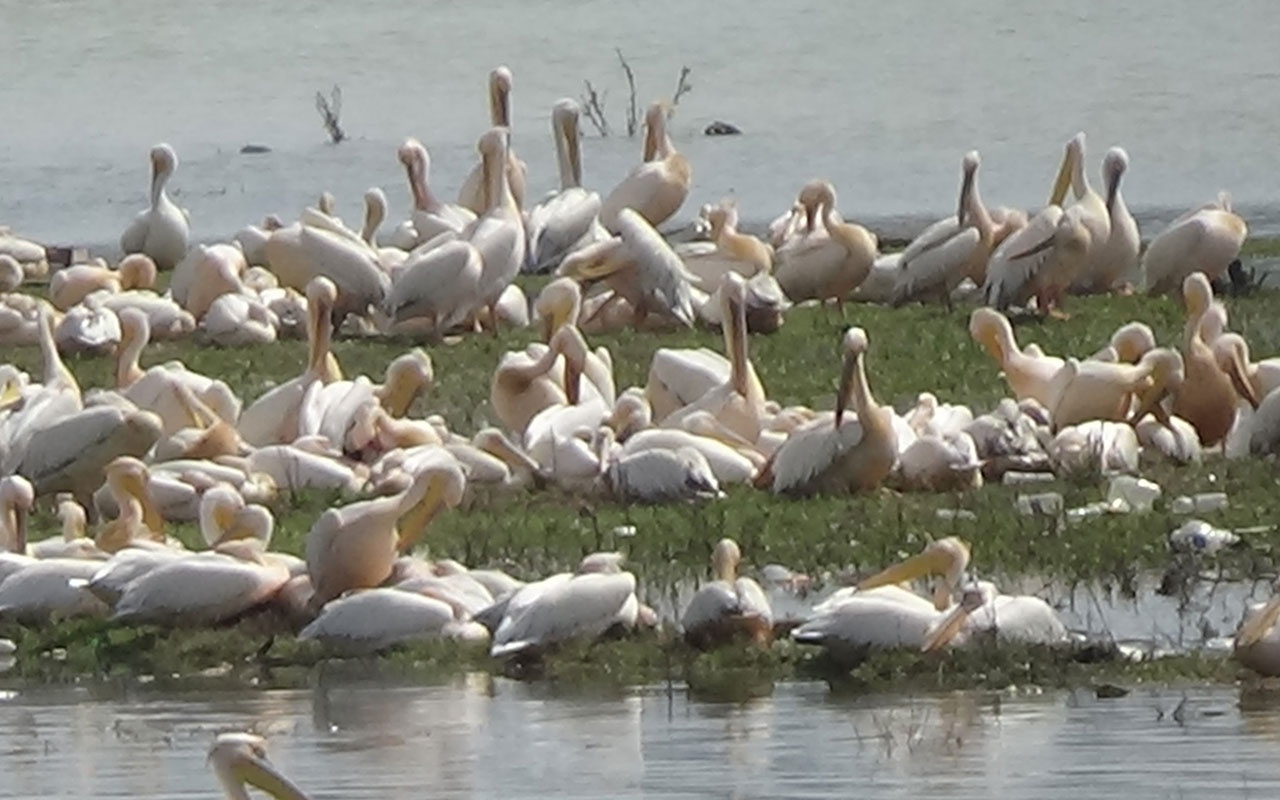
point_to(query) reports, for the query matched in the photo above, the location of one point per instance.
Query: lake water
(484, 738)
(882, 98)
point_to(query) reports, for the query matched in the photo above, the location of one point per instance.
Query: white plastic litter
(1048, 504)
(1125, 493)
(1015, 478)
(1198, 536)
(1199, 504)
(955, 513)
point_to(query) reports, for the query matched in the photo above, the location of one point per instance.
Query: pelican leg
(493, 318)
(1055, 310)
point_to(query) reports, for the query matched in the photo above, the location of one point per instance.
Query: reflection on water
(481, 738)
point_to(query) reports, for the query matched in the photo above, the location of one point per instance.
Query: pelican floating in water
(369, 620)
(729, 606)
(1206, 239)
(568, 218)
(837, 453)
(240, 760)
(475, 189)
(825, 267)
(951, 249)
(659, 185)
(161, 230)
(1008, 618)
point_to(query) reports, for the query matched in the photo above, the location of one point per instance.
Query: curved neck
(56, 373)
(657, 145)
(499, 105)
(973, 212)
(321, 337)
(128, 370)
(374, 213)
(495, 174)
(735, 344)
(568, 157)
(159, 178)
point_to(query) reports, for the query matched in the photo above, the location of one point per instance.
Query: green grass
(913, 349)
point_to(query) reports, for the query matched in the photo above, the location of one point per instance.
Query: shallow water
(883, 98)
(482, 738)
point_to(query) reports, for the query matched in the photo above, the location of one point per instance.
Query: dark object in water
(719, 128)
(59, 257)
(254, 149)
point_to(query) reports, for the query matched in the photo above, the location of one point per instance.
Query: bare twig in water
(633, 114)
(593, 107)
(330, 112)
(683, 86)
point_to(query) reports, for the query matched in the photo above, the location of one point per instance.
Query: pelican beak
(1113, 188)
(1239, 375)
(414, 522)
(259, 772)
(10, 394)
(1260, 624)
(151, 515)
(810, 216)
(573, 146)
(20, 515)
(951, 625)
(966, 188)
(224, 518)
(930, 562)
(1149, 403)
(1063, 182)
(846, 382)
(572, 380)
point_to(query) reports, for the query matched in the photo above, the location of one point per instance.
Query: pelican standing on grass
(497, 234)
(1117, 255)
(161, 230)
(1206, 239)
(567, 218)
(659, 185)
(475, 189)
(430, 216)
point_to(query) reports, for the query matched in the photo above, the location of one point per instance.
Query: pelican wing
(202, 589)
(441, 283)
(563, 607)
(367, 620)
(810, 451)
(1206, 240)
(709, 605)
(867, 620)
(662, 276)
(679, 377)
(1013, 267)
(936, 260)
(559, 224)
(350, 263)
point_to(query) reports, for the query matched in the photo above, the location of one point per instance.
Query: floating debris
(720, 128)
(254, 149)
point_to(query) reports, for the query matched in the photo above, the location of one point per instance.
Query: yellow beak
(1260, 624)
(951, 625)
(1063, 182)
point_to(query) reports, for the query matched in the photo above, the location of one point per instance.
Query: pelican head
(217, 512)
(137, 271)
(725, 559)
(1131, 341)
(815, 195)
(655, 131)
(973, 598)
(855, 346)
(946, 558)
(569, 343)
(407, 376)
(1072, 159)
(1197, 294)
(1167, 372)
(72, 517)
(609, 563)
(631, 414)
(500, 96)
(240, 759)
(17, 496)
(564, 125)
(437, 485)
(1114, 164)
(163, 160)
(557, 305)
(969, 172)
(128, 479)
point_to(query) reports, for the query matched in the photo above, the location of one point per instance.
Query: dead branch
(683, 86)
(633, 114)
(593, 107)
(330, 111)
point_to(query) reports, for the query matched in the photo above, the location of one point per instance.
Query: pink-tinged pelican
(1029, 374)
(1206, 239)
(659, 185)
(475, 189)
(840, 452)
(430, 216)
(728, 607)
(161, 230)
(825, 267)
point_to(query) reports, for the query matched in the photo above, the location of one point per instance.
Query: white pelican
(162, 230)
(407, 376)
(656, 475)
(678, 377)
(1040, 260)
(16, 499)
(729, 464)
(354, 546)
(1028, 374)
(11, 275)
(1208, 396)
(498, 233)
(42, 405)
(239, 320)
(225, 517)
(369, 620)
(1008, 618)
(950, 249)
(440, 285)
(1094, 447)
(240, 760)
(739, 402)
(20, 319)
(941, 462)
(729, 606)
(559, 304)
(728, 251)
(1088, 390)
(869, 620)
(826, 267)
(50, 589)
(74, 541)
(527, 382)
(474, 193)
(1206, 239)
(839, 454)
(138, 519)
(1117, 255)
(568, 218)
(375, 212)
(273, 417)
(1130, 342)
(946, 559)
(581, 605)
(1263, 376)
(1092, 213)
(659, 185)
(430, 216)
(155, 389)
(70, 454)
(206, 273)
(253, 239)
(73, 284)
(320, 246)
(306, 465)
(203, 588)
(30, 257)
(88, 328)
(168, 320)
(1260, 431)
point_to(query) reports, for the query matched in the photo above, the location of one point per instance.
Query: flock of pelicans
(168, 444)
